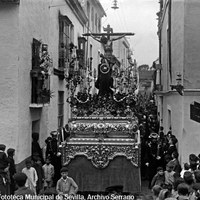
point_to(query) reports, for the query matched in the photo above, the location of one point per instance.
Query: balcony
(40, 75)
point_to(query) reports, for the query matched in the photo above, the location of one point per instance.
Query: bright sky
(139, 17)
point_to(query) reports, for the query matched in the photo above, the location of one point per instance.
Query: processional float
(104, 144)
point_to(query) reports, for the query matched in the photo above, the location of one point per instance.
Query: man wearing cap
(66, 185)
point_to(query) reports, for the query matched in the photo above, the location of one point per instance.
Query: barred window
(66, 36)
(60, 109)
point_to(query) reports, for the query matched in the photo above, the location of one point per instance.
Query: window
(66, 36)
(36, 53)
(96, 27)
(60, 108)
(88, 10)
(40, 78)
(92, 18)
(99, 25)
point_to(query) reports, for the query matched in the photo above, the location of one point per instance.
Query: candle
(74, 52)
(95, 73)
(66, 69)
(138, 137)
(76, 65)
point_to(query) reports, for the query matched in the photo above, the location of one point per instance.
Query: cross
(108, 34)
(109, 30)
(106, 40)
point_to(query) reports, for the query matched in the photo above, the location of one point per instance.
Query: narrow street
(100, 97)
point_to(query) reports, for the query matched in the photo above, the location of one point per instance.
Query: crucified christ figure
(107, 43)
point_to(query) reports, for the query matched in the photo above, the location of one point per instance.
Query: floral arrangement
(45, 95)
(118, 105)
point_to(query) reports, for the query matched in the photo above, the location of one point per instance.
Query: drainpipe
(169, 42)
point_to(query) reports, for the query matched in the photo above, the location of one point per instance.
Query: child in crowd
(31, 176)
(177, 181)
(189, 180)
(156, 191)
(66, 185)
(183, 191)
(169, 174)
(186, 168)
(20, 179)
(48, 169)
(159, 178)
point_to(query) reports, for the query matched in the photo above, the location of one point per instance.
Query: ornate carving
(101, 154)
(122, 128)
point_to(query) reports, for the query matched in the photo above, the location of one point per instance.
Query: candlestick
(76, 65)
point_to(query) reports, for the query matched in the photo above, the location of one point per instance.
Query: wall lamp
(178, 87)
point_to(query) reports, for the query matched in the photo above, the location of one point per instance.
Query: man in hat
(12, 169)
(20, 179)
(66, 185)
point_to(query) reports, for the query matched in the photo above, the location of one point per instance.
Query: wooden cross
(108, 34)
(109, 30)
(108, 42)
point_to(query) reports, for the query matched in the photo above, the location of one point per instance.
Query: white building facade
(27, 27)
(179, 66)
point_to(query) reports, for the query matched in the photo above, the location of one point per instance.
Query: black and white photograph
(99, 99)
